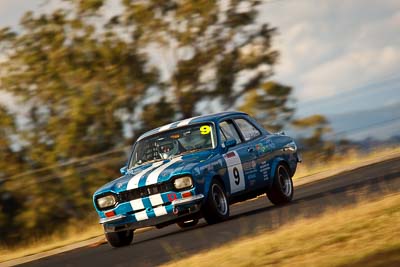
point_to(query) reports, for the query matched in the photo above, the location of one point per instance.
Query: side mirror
(124, 170)
(230, 143)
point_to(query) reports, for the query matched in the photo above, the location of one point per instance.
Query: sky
(339, 56)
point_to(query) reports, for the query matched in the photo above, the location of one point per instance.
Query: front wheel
(216, 208)
(187, 224)
(120, 239)
(281, 191)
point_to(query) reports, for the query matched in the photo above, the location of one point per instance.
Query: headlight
(106, 201)
(183, 182)
(291, 147)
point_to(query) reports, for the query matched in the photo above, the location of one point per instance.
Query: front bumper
(177, 208)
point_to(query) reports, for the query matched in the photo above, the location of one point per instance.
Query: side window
(223, 137)
(248, 130)
(228, 131)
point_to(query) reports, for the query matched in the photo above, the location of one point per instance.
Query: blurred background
(81, 79)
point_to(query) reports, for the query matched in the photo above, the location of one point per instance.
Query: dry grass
(364, 235)
(67, 236)
(353, 158)
(76, 233)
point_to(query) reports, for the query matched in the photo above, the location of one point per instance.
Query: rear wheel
(216, 208)
(120, 239)
(187, 224)
(281, 191)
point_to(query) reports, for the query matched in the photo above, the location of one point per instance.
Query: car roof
(203, 118)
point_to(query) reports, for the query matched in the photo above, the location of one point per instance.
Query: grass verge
(352, 158)
(66, 236)
(363, 235)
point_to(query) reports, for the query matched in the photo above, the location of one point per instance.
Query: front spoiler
(112, 219)
(181, 207)
(183, 201)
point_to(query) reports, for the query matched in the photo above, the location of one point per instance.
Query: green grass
(367, 234)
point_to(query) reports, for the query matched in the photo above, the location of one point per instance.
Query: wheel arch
(278, 161)
(219, 178)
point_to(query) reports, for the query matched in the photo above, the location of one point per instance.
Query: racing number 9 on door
(236, 175)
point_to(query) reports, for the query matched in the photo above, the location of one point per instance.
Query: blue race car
(195, 168)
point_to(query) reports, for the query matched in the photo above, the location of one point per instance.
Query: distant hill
(381, 123)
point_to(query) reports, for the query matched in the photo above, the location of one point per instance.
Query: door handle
(250, 149)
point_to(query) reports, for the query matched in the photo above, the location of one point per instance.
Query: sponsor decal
(171, 197)
(230, 155)
(265, 169)
(267, 147)
(250, 168)
(253, 164)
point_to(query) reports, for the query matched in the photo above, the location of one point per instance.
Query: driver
(168, 148)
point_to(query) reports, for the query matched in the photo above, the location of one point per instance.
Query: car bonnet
(156, 172)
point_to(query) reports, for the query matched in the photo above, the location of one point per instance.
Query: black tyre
(187, 224)
(281, 191)
(216, 208)
(120, 239)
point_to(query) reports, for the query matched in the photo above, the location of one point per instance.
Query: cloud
(301, 49)
(328, 47)
(349, 71)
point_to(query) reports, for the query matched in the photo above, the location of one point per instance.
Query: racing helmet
(168, 148)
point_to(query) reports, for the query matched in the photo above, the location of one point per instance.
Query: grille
(144, 191)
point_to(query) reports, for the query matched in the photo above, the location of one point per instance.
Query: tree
(315, 145)
(81, 80)
(217, 52)
(76, 85)
(156, 114)
(270, 105)
(10, 162)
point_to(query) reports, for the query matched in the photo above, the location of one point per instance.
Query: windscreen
(172, 143)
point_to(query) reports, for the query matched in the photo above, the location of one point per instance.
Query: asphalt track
(156, 247)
